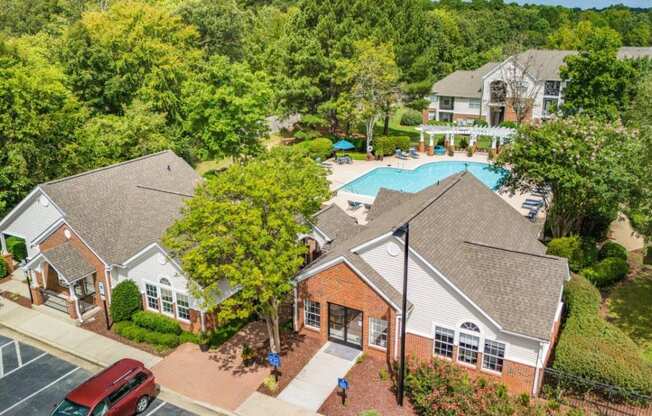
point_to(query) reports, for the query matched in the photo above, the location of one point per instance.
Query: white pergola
(498, 134)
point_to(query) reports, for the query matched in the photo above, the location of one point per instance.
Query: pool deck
(342, 174)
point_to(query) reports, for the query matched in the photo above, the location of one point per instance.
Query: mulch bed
(21, 300)
(97, 324)
(296, 351)
(367, 391)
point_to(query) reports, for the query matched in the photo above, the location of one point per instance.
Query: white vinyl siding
(449, 310)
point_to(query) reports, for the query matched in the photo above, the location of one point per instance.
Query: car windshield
(68, 408)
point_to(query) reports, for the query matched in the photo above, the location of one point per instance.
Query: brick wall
(341, 285)
(519, 378)
(57, 238)
(458, 116)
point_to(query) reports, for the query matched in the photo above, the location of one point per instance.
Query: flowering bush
(439, 388)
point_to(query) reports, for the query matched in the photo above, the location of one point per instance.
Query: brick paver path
(218, 377)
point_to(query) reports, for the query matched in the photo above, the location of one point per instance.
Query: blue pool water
(421, 177)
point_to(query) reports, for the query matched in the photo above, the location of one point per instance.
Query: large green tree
(242, 226)
(586, 166)
(598, 82)
(132, 50)
(107, 139)
(38, 117)
(225, 109)
(373, 77)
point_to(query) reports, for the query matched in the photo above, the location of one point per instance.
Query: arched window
(470, 326)
(165, 281)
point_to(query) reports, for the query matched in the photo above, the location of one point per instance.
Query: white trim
(362, 246)
(369, 326)
(434, 329)
(341, 259)
(45, 233)
(506, 347)
(144, 250)
(295, 312)
(398, 325)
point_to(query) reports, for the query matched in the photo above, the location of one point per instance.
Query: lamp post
(404, 231)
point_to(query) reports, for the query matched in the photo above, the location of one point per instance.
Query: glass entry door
(345, 325)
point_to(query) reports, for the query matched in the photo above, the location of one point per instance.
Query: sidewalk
(68, 337)
(312, 386)
(259, 404)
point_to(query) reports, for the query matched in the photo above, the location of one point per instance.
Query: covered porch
(62, 279)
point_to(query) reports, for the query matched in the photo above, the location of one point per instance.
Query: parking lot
(32, 382)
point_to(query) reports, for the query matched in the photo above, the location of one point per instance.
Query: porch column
(431, 143)
(493, 143)
(73, 304)
(452, 140)
(422, 146)
(472, 140)
(35, 288)
(3, 242)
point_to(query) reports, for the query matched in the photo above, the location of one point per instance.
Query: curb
(52, 344)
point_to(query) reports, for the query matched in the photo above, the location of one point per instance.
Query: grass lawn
(395, 128)
(216, 164)
(630, 308)
(353, 155)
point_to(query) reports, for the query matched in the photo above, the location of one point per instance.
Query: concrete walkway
(312, 386)
(68, 337)
(260, 404)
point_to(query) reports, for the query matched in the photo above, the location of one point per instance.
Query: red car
(124, 389)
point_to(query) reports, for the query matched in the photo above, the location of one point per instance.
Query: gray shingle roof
(120, 209)
(68, 262)
(543, 64)
(335, 223)
(386, 199)
(464, 230)
(463, 83)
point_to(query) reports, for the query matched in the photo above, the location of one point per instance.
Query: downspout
(107, 281)
(535, 393)
(295, 314)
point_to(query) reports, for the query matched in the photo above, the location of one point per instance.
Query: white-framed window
(152, 296)
(183, 306)
(468, 349)
(474, 103)
(312, 313)
(378, 332)
(167, 301)
(494, 355)
(444, 341)
(470, 326)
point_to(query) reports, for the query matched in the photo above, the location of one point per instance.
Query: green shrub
(156, 322)
(125, 301)
(612, 249)
(320, 148)
(580, 253)
(16, 246)
(411, 118)
(3, 268)
(606, 272)
(136, 333)
(592, 348)
(188, 337)
(648, 256)
(387, 145)
(442, 388)
(370, 412)
(402, 142)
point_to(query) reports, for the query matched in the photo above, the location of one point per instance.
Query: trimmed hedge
(411, 118)
(321, 147)
(387, 145)
(580, 253)
(125, 301)
(188, 337)
(156, 322)
(134, 332)
(607, 272)
(16, 246)
(3, 268)
(612, 249)
(592, 348)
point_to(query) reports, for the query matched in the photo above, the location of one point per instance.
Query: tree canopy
(242, 226)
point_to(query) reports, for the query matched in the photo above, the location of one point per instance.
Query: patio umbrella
(343, 145)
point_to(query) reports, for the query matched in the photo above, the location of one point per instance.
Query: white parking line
(38, 391)
(154, 410)
(23, 366)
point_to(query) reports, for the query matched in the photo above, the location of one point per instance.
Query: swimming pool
(425, 175)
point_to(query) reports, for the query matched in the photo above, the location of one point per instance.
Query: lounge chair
(533, 214)
(354, 204)
(399, 154)
(368, 206)
(413, 153)
(532, 203)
